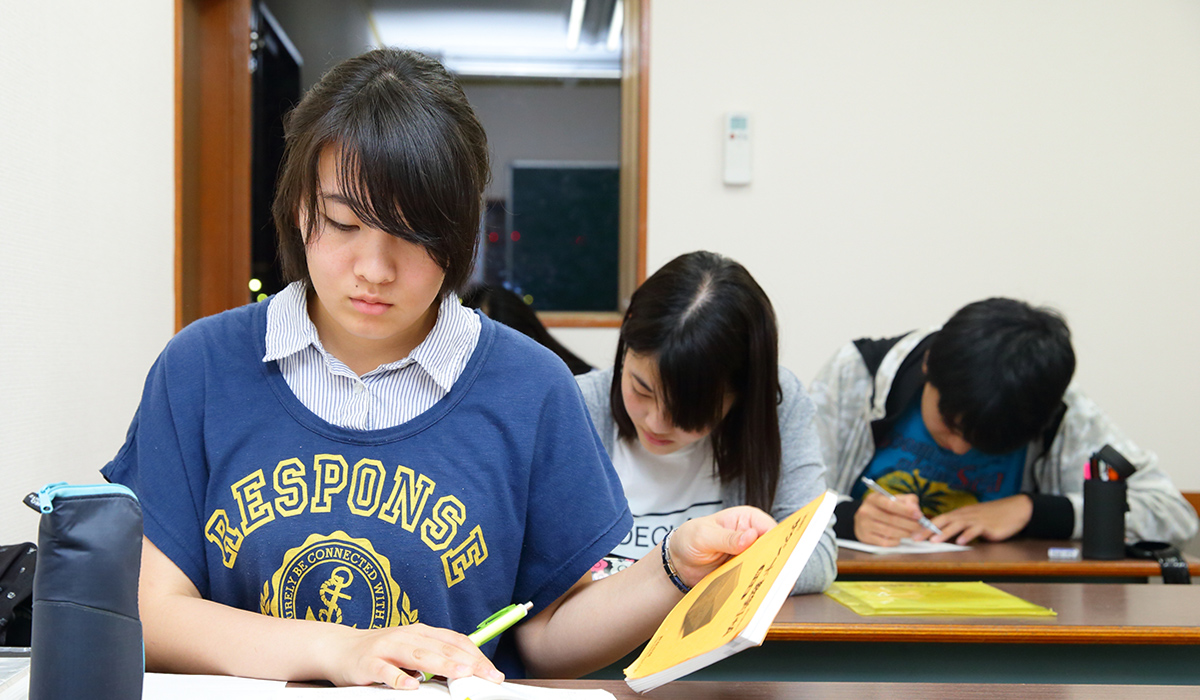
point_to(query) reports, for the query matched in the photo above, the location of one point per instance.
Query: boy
(974, 425)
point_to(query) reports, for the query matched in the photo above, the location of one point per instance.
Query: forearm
(598, 622)
(185, 634)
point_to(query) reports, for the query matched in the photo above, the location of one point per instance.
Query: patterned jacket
(861, 391)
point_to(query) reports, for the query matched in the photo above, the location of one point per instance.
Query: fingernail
(496, 676)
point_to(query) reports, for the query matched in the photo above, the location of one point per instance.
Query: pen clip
(495, 615)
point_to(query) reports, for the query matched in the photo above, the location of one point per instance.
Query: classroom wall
(912, 156)
(87, 226)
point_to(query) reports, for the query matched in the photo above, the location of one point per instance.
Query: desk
(1015, 560)
(702, 690)
(1104, 633)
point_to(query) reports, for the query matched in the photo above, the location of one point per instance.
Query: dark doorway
(275, 89)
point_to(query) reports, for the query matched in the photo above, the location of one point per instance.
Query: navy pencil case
(87, 637)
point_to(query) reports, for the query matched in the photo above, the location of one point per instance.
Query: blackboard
(563, 243)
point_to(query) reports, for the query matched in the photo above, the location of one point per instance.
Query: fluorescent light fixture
(575, 23)
(614, 27)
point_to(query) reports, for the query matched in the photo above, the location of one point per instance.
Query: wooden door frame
(212, 159)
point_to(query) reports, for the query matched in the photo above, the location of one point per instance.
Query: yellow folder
(949, 598)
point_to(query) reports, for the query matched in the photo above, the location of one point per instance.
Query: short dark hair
(414, 159)
(712, 330)
(1001, 367)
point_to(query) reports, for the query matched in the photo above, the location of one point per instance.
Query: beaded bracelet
(666, 560)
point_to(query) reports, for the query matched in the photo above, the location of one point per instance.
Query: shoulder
(516, 360)
(227, 337)
(596, 387)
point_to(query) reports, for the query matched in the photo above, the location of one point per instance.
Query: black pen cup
(1104, 507)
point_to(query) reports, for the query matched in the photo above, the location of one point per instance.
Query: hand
(701, 545)
(363, 657)
(994, 521)
(882, 521)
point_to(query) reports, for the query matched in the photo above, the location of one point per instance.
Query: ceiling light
(614, 27)
(575, 23)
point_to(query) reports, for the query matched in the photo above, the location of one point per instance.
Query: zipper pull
(43, 501)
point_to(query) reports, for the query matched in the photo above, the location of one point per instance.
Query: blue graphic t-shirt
(500, 493)
(909, 461)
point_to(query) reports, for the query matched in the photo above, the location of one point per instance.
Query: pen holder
(87, 637)
(1104, 509)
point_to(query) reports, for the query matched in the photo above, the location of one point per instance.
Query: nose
(657, 421)
(374, 259)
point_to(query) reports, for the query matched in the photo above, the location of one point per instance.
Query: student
(698, 415)
(362, 450)
(975, 424)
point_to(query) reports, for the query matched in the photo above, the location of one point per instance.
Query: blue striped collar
(440, 354)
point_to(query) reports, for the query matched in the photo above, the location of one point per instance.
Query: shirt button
(359, 388)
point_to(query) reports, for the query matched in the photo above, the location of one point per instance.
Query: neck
(360, 354)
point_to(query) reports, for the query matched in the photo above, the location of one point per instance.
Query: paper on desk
(952, 598)
(178, 686)
(906, 546)
(459, 689)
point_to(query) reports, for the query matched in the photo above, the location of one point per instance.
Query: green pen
(491, 628)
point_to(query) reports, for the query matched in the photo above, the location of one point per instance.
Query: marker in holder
(1104, 507)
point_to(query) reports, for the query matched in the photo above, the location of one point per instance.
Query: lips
(369, 305)
(654, 440)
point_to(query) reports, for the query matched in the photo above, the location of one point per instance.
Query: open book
(732, 608)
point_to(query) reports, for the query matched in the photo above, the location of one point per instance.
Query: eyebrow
(336, 197)
(641, 381)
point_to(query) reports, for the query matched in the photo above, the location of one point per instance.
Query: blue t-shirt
(909, 460)
(500, 493)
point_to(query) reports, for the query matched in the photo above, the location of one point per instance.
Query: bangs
(694, 385)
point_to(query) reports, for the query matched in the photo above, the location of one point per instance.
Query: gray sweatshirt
(801, 476)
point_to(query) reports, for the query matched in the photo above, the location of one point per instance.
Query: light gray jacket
(848, 400)
(801, 477)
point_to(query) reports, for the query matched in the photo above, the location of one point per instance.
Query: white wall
(913, 156)
(910, 156)
(86, 234)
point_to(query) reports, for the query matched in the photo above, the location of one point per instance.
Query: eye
(339, 225)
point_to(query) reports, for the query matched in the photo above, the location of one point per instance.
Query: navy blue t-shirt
(500, 493)
(909, 460)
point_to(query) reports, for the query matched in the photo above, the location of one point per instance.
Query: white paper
(906, 546)
(460, 689)
(173, 686)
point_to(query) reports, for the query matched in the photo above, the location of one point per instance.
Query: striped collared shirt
(386, 396)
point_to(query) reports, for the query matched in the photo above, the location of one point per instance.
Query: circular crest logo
(340, 579)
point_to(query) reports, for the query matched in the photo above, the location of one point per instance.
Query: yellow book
(952, 598)
(732, 608)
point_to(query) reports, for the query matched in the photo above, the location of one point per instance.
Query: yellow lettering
(291, 487)
(228, 539)
(471, 552)
(366, 487)
(248, 494)
(438, 530)
(407, 499)
(332, 473)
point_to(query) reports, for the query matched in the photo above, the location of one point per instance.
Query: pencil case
(86, 639)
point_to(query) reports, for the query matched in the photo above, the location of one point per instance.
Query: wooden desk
(1016, 560)
(1104, 633)
(701, 690)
